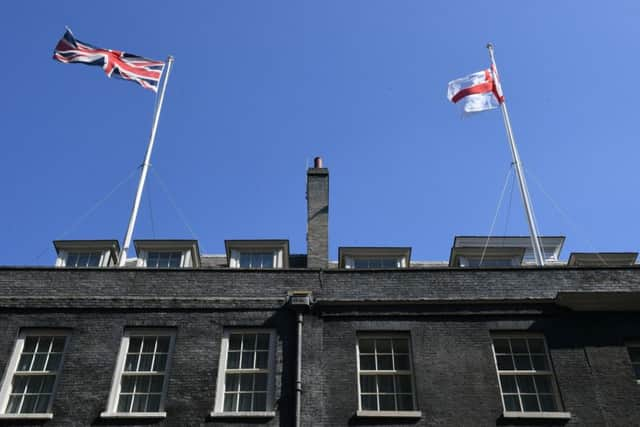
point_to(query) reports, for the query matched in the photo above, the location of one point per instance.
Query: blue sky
(261, 87)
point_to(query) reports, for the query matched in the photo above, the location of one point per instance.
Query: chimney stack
(317, 215)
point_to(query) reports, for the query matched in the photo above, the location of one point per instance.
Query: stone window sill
(248, 414)
(42, 416)
(136, 415)
(537, 415)
(389, 414)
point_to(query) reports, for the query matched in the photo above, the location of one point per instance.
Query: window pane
(139, 403)
(14, 404)
(247, 359)
(543, 384)
(159, 362)
(124, 403)
(367, 384)
(511, 402)
(260, 382)
(519, 345)
(367, 363)
(387, 402)
(369, 402)
(530, 403)
(246, 382)
(263, 342)
(42, 404)
(385, 363)
(25, 362)
(233, 360)
(260, 402)
(163, 344)
(401, 346)
(34, 384)
(402, 363)
(156, 384)
(540, 363)
(148, 344)
(235, 340)
(29, 404)
(131, 363)
(19, 384)
(385, 384)
(39, 361)
(134, 344)
(145, 362)
(249, 342)
(245, 402)
(58, 344)
(508, 384)
(405, 402)
(153, 403)
(501, 345)
(47, 383)
(523, 363)
(525, 384)
(505, 363)
(536, 345)
(383, 346)
(366, 346)
(30, 344)
(636, 370)
(231, 382)
(53, 362)
(403, 384)
(127, 384)
(142, 384)
(262, 359)
(548, 403)
(230, 402)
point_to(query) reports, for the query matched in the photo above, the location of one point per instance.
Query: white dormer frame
(551, 247)
(279, 249)
(188, 249)
(347, 256)
(108, 250)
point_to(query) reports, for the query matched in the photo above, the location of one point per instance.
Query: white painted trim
(534, 415)
(112, 402)
(44, 416)
(222, 367)
(138, 415)
(389, 414)
(257, 414)
(5, 388)
(383, 335)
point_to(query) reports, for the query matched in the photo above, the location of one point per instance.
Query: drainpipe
(299, 302)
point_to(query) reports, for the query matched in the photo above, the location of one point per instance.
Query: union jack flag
(115, 63)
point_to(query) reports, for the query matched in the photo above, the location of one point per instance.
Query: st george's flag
(476, 92)
(115, 63)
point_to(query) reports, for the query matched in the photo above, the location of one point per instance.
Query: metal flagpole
(145, 166)
(535, 241)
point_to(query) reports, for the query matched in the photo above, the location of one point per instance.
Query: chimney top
(317, 162)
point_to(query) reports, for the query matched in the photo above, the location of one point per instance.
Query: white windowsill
(389, 414)
(41, 416)
(246, 414)
(545, 415)
(133, 415)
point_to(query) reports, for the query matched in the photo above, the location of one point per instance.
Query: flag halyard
(146, 72)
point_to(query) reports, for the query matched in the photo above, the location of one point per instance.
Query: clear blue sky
(261, 87)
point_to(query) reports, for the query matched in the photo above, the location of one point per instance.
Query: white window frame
(105, 257)
(350, 261)
(514, 261)
(218, 410)
(368, 413)
(10, 371)
(234, 260)
(558, 413)
(114, 395)
(185, 257)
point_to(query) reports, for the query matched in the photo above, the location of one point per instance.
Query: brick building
(259, 336)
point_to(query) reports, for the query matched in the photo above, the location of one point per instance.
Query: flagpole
(535, 240)
(145, 166)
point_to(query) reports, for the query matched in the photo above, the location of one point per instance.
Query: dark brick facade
(448, 314)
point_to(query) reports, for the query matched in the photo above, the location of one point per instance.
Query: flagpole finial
(490, 46)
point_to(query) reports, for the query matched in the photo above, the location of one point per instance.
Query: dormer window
(501, 251)
(373, 257)
(86, 253)
(167, 253)
(259, 254)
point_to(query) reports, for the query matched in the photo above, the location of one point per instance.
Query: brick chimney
(317, 215)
